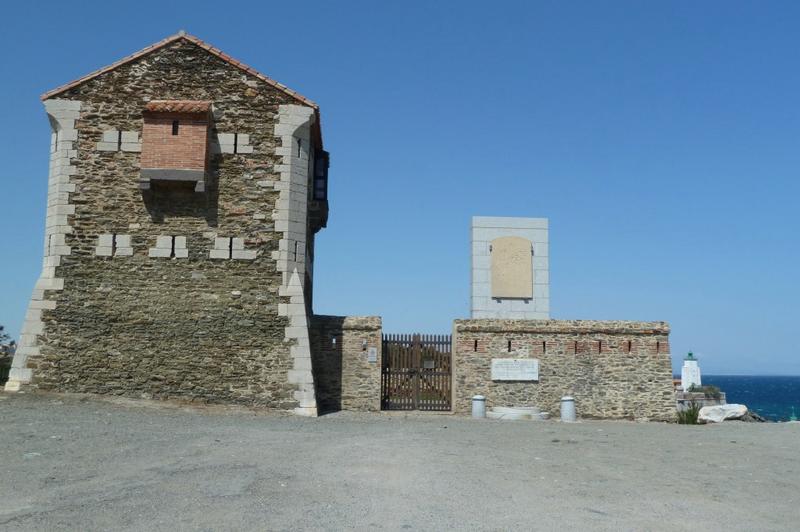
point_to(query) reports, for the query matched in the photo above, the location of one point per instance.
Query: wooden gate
(416, 372)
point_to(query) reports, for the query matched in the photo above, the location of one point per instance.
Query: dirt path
(69, 463)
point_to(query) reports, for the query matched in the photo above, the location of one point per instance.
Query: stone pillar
(63, 151)
(290, 217)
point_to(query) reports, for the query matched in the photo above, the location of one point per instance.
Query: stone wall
(686, 399)
(63, 115)
(344, 377)
(151, 325)
(614, 369)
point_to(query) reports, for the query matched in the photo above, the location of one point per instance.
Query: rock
(752, 417)
(718, 413)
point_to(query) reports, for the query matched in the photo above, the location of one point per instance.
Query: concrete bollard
(568, 414)
(478, 406)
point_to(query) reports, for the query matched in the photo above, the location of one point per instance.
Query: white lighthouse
(690, 372)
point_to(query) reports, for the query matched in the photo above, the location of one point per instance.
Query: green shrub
(711, 392)
(689, 416)
(6, 350)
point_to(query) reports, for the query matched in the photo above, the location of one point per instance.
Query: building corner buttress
(290, 216)
(63, 151)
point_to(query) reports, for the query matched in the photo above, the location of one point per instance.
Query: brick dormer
(175, 142)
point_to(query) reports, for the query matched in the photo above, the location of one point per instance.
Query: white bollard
(568, 414)
(478, 406)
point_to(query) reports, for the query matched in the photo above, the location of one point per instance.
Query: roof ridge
(196, 41)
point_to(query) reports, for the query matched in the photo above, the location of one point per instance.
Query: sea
(775, 398)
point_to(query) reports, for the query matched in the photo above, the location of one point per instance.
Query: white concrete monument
(510, 269)
(690, 373)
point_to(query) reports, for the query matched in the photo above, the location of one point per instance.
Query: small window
(321, 164)
(175, 126)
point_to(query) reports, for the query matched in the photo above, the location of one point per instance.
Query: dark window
(175, 126)
(321, 165)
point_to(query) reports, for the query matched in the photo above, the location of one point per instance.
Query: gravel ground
(77, 463)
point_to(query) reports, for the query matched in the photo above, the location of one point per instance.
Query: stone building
(614, 369)
(185, 193)
(184, 198)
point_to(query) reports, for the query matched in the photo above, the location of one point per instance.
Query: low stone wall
(685, 399)
(344, 377)
(614, 369)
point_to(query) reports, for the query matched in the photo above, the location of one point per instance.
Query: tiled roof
(198, 42)
(178, 106)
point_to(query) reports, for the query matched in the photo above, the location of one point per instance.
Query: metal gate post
(417, 363)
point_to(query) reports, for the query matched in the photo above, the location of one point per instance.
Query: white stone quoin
(232, 143)
(111, 245)
(510, 268)
(690, 373)
(115, 140)
(63, 151)
(290, 217)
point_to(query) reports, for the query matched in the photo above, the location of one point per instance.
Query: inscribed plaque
(515, 369)
(512, 268)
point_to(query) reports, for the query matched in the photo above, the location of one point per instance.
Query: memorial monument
(512, 353)
(510, 270)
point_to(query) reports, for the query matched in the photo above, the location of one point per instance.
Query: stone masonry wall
(614, 369)
(345, 379)
(145, 326)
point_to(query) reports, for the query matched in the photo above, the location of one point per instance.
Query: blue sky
(662, 140)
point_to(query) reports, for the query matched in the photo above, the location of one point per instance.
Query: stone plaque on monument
(512, 268)
(515, 369)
